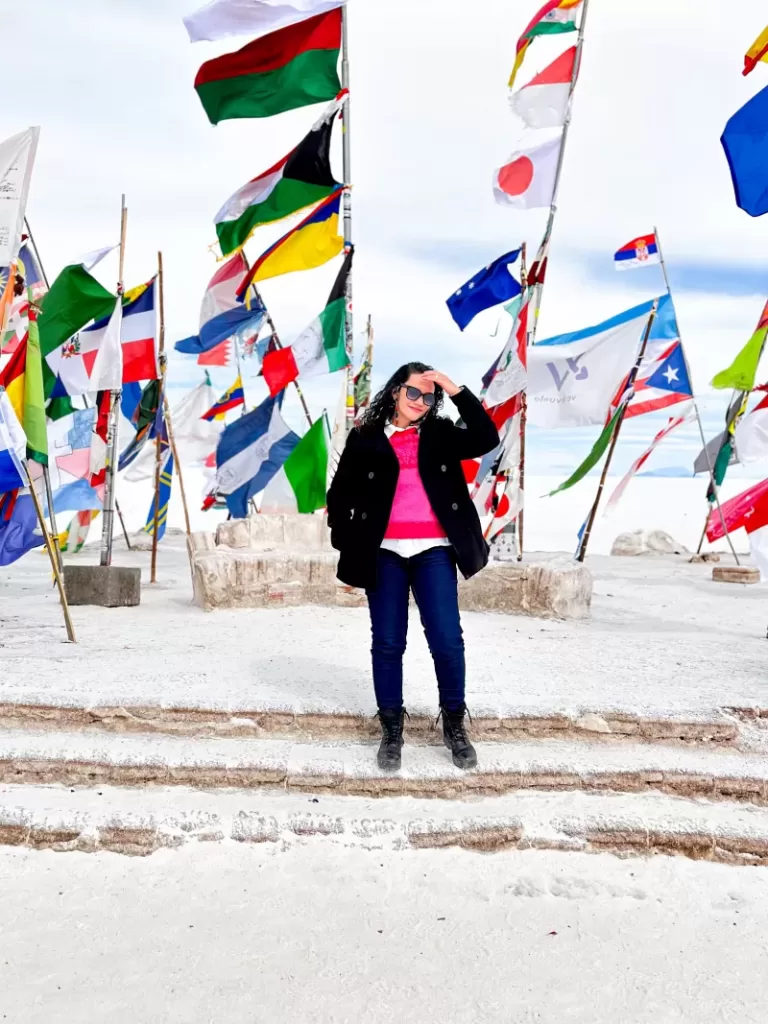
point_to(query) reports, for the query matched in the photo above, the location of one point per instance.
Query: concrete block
(108, 586)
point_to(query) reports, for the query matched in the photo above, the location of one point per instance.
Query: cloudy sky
(111, 85)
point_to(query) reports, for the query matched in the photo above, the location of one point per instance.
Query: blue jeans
(432, 577)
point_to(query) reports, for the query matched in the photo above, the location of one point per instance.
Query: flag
(598, 450)
(221, 18)
(527, 180)
(751, 435)
(166, 482)
(231, 399)
(299, 485)
(33, 417)
(742, 372)
(758, 51)
(221, 355)
(745, 141)
(17, 157)
(508, 505)
(640, 252)
(144, 418)
(362, 383)
(313, 242)
(573, 378)
(338, 431)
(281, 71)
(320, 348)
(543, 102)
(19, 527)
(74, 537)
(554, 18)
(638, 464)
(69, 447)
(194, 437)
(106, 372)
(748, 510)
(13, 447)
(662, 379)
(490, 286)
(301, 178)
(250, 453)
(508, 375)
(222, 314)
(75, 297)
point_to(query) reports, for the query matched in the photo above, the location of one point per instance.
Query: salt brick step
(349, 768)
(703, 727)
(141, 821)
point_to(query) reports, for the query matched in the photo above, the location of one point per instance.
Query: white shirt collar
(391, 429)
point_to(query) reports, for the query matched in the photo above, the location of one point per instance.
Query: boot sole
(389, 766)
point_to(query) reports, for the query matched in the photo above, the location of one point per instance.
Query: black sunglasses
(413, 395)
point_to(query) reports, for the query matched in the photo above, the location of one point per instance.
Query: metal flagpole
(710, 467)
(523, 421)
(630, 383)
(539, 287)
(112, 424)
(347, 208)
(158, 438)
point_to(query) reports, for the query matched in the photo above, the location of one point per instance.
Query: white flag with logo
(573, 378)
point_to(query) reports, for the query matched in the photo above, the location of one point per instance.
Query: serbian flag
(640, 252)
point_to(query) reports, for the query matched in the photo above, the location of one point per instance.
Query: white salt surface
(663, 639)
(327, 934)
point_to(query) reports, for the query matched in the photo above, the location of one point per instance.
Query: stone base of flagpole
(735, 574)
(108, 586)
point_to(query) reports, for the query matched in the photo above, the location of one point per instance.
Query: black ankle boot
(392, 720)
(456, 739)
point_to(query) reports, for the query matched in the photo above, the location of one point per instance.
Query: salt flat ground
(255, 934)
(663, 639)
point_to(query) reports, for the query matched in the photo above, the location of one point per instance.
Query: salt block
(557, 589)
(735, 574)
(108, 586)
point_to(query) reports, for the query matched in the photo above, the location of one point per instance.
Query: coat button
(454, 506)
(443, 469)
(370, 476)
(365, 515)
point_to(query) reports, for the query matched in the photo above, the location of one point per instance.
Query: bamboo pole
(630, 383)
(176, 463)
(112, 423)
(158, 437)
(51, 555)
(710, 467)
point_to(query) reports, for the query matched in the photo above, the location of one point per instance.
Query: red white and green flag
(301, 178)
(284, 70)
(554, 18)
(321, 348)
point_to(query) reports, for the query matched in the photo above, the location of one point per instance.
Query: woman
(402, 519)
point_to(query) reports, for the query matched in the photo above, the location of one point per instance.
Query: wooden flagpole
(523, 421)
(176, 462)
(710, 467)
(158, 438)
(630, 383)
(52, 556)
(112, 424)
(349, 334)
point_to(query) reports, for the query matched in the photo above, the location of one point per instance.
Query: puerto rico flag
(640, 252)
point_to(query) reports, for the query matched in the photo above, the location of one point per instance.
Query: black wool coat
(363, 489)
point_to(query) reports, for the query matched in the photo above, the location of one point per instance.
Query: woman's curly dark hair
(382, 408)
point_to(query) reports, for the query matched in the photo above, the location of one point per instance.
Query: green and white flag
(300, 485)
(598, 450)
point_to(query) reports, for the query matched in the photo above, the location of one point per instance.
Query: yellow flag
(758, 51)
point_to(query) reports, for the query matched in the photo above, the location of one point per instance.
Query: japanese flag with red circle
(527, 179)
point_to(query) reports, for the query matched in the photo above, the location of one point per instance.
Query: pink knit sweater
(411, 517)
